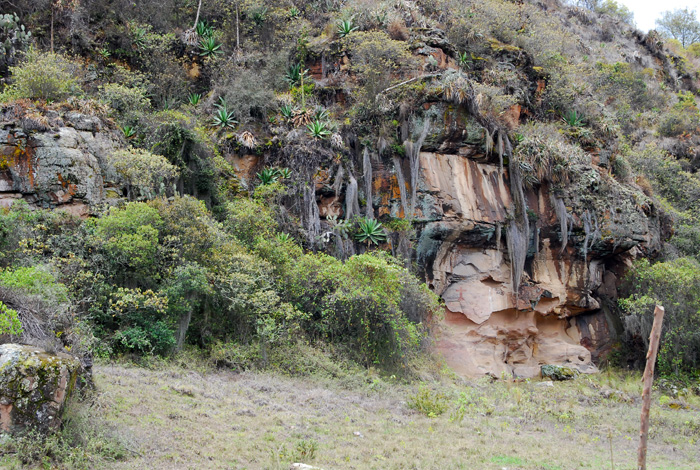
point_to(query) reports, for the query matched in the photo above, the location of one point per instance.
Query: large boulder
(34, 387)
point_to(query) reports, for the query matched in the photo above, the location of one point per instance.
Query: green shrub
(249, 93)
(234, 355)
(34, 280)
(129, 238)
(668, 177)
(375, 57)
(359, 304)
(44, 76)
(676, 286)
(14, 38)
(614, 9)
(141, 321)
(189, 228)
(9, 321)
(248, 219)
(147, 175)
(679, 121)
(126, 102)
(622, 83)
(432, 404)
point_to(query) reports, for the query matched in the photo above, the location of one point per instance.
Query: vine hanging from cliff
(367, 175)
(413, 153)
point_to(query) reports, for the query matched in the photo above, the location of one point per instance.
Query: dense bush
(129, 239)
(44, 76)
(376, 58)
(676, 286)
(227, 272)
(146, 175)
(126, 102)
(9, 321)
(150, 277)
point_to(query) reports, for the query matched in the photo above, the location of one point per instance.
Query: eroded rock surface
(34, 387)
(557, 315)
(66, 166)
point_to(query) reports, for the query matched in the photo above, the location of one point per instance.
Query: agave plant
(321, 114)
(287, 112)
(294, 74)
(223, 117)
(573, 119)
(380, 17)
(284, 237)
(284, 173)
(204, 30)
(139, 37)
(267, 176)
(209, 47)
(370, 231)
(318, 129)
(128, 131)
(293, 13)
(260, 16)
(463, 59)
(346, 27)
(169, 102)
(194, 98)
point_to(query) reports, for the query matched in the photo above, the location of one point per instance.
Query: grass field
(180, 418)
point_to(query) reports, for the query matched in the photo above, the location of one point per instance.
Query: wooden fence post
(648, 380)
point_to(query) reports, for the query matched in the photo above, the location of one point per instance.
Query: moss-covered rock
(553, 372)
(34, 387)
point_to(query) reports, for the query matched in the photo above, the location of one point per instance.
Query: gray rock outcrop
(34, 387)
(66, 166)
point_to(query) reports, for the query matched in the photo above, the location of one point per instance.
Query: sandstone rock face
(34, 387)
(557, 315)
(66, 167)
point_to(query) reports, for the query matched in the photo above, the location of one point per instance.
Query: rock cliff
(580, 240)
(527, 270)
(61, 161)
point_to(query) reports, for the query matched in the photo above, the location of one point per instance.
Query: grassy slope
(181, 419)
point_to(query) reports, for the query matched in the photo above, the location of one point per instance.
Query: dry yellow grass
(185, 419)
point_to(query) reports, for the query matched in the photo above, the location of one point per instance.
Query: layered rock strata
(557, 315)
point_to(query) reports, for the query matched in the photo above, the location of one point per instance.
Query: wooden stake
(648, 380)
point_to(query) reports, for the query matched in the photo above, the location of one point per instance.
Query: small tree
(145, 172)
(681, 24)
(44, 76)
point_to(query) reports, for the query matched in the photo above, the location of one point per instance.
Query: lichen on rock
(34, 387)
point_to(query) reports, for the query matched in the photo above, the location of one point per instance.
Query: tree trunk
(52, 15)
(648, 380)
(183, 325)
(238, 37)
(196, 20)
